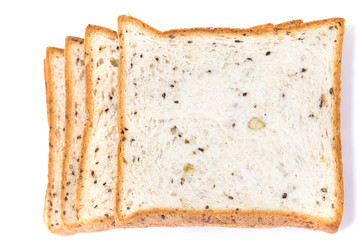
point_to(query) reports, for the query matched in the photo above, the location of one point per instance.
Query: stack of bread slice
(195, 127)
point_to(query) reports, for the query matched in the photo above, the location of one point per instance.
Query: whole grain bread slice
(230, 127)
(74, 126)
(97, 167)
(55, 101)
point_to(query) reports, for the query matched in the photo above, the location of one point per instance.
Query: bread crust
(103, 223)
(51, 52)
(175, 217)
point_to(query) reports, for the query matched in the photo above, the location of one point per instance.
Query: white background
(27, 27)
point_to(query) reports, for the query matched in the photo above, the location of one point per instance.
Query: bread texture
(230, 127)
(74, 126)
(55, 99)
(97, 168)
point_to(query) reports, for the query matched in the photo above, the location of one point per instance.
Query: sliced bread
(97, 167)
(74, 126)
(55, 100)
(230, 127)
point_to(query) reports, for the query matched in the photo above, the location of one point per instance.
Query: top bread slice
(97, 168)
(55, 100)
(74, 126)
(230, 127)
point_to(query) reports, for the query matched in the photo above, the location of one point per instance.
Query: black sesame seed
(92, 173)
(98, 78)
(141, 55)
(207, 207)
(163, 216)
(201, 149)
(303, 70)
(172, 85)
(244, 94)
(106, 109)
(284, 195)
(106, 215)
(268, 53)
(117, 48)
(171, 36)
(323, 189)
(157, 59)
(95, 181)
(124, 138)
(190, 42)
(331, 90)
(176, 101)
(230, 197)
(97, 149)
(311, 115)
(67, 184)
(64, 212)
(95, 206)
(163, 95)
(238, 41)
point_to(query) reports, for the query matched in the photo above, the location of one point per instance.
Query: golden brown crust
(340, 25)
(51, 52)
(175, 217)
(104, 223)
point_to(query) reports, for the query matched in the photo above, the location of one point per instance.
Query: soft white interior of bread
(188, 103)
(76, 63)
(100, 158)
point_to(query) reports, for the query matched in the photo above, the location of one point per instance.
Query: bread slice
(230, 127)
(74, 126)
(97, 168)
(55, 101)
